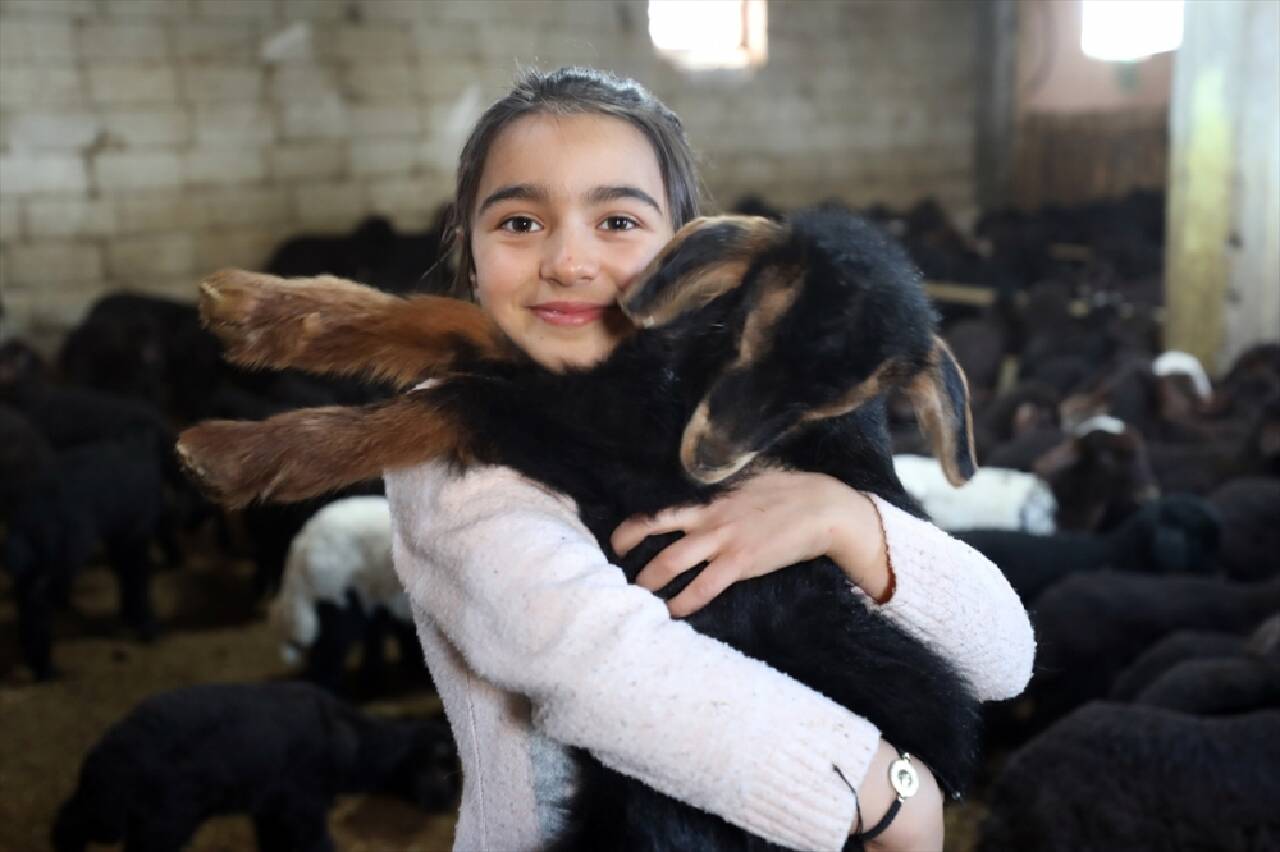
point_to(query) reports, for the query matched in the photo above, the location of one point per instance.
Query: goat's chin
(711, 473)
(714, 476)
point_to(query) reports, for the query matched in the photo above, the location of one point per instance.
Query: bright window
(1124, 30)
(706, 34)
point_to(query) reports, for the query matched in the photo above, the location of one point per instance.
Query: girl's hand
(773, 520)
(918, 827)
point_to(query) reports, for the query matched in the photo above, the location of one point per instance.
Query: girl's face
(569, 210)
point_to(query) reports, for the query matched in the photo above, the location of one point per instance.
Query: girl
(566, 188)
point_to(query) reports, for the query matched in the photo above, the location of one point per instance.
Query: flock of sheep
(1130, 498)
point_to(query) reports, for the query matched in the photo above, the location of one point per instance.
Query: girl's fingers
(636, 529)
(714, 579)
(678, 557)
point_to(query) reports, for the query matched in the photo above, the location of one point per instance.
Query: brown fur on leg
(312, 451)
(330, 325)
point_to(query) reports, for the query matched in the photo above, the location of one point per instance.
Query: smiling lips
(568, 313)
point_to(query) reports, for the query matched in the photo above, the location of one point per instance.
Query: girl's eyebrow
(595, 195)
(520, 191)
(600, 194)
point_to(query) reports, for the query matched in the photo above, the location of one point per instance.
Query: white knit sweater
(537, 642)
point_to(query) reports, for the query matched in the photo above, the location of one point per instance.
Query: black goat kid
(756, 344)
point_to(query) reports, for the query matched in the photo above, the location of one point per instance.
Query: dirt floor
(213, 633)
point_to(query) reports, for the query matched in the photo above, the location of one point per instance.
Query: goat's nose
(711, 452)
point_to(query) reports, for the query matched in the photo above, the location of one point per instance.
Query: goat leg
(333, 326)
(308, 452)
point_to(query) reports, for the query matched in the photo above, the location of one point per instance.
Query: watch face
(903, 778)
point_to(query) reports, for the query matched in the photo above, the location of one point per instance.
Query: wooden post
(1222, 262)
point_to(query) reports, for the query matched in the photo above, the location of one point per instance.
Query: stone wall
(144, 143)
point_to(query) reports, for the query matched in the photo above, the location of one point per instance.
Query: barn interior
(1089, 189)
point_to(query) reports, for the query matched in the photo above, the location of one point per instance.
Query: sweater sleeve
(519, 586)
(958, 602)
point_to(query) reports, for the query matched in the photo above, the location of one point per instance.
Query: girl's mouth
(568, 313)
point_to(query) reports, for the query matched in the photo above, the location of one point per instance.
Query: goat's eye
(519, 225)
(619, 223)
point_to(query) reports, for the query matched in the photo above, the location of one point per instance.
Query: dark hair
(573, 91)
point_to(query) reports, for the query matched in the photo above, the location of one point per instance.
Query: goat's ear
(940, 396)
(705, 259)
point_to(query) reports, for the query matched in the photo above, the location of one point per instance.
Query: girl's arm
(955, 600)
(937, 587)
(519, 586)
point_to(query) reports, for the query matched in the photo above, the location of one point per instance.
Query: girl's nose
(570, 258)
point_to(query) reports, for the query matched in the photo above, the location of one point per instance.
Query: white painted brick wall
(43, 132)
(141, 212)
(41, 87)
(69, 217)
(223, 165)
(10, 225)
(30, 174)
(151, 257)
(289, 162)
(147, 142)
(127, 170)
(44, 263)
(130, 83)
(122, 42)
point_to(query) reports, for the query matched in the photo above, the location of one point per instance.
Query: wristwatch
(905, 781)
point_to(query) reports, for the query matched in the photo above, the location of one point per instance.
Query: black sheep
(1249, 507)
(1141, 779)
(1172, 535)
(144, 347)
(108, 494)
(757, 339)
(279, 752)
(1174, 649)
(1237, 683)
(25, 457)
(1091, 626)
(71, 417)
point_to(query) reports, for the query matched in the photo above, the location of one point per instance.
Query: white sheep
(1175, 362)
(338, 577)
(995, 498)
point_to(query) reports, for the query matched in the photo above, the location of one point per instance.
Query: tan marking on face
(886, 375)
(697, 430)
(779, 287)
(702, 286)
(778, 293)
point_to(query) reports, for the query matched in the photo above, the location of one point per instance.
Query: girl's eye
(519, 225)
(620, 223)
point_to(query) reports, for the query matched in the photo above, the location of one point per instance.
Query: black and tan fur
(755, 343)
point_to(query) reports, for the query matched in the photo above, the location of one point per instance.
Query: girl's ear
(705, 259)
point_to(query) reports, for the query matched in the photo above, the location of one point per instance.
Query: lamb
(143, 347)
(730, 318)
(72, 417)
(1099, 475)
(1142, 779)
(994, 498)
(1175, 363)
(1124, 614)
(279, 752)
(25, 458)
(1240, 683)
(1174, 649)
(109, 494)
(1171, 535)
(339, 587)
(1249, 507)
